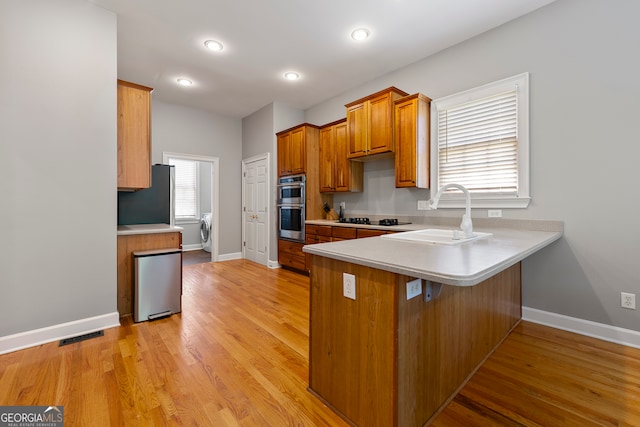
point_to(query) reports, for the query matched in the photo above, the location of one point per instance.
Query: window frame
(196, 218)
(457, 199)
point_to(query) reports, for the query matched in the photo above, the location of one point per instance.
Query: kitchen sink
(436, 236)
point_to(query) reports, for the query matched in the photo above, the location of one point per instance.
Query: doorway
(205, 195)
(255, 209)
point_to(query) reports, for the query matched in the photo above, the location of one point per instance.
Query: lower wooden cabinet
(129, 243)
(290, 254)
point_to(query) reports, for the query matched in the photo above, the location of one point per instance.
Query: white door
(256, 236)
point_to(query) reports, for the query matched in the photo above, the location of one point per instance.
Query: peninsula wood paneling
(127, 244)
(383, 360)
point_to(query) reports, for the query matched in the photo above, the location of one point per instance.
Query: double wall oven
(291, 207)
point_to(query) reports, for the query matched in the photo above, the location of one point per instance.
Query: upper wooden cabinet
(337, 172)
(412, 141)
(370, 123)
(134, 136)
(292, 149)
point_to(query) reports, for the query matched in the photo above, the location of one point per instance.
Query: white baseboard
(40, 336)
(601, 331)
(273, 264)
(187, 248)
(228, 257)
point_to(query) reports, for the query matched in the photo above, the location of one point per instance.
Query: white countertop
(460, 265)
(124, 230)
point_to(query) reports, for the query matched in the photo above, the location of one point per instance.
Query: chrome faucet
(466, 226)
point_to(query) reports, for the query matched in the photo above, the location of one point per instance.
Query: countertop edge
(126, 230)
(453, 280)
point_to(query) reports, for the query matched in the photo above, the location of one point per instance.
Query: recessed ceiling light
(185, 82)
(360, 34)
(290, 75)
(213, 45)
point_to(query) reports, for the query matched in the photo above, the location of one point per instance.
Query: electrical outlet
(628, 300)
(494, 213)
(343, 205)
(423, 205)
(414, 288)
(349, 285)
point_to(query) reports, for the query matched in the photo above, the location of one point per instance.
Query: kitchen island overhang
(391, 358)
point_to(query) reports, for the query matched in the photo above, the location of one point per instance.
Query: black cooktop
(367, 221)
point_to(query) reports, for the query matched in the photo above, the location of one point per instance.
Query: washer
(205, 231)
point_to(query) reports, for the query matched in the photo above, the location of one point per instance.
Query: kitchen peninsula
(397, 353)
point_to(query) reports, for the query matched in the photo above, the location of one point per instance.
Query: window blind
(478, 144)
(186, 188)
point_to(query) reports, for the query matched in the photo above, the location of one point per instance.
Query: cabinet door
(327, 159)
(134, 136)
(412, 141)
(297, 151)
(342, 162)
(357, 130)
(284, 167)
(405, 118)
(380, 125)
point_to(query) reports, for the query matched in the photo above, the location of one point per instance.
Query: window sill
(188, 221)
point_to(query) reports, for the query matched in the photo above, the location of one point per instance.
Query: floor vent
(79, 338)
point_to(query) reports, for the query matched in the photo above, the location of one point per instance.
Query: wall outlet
(628, 300)
(349, 285)
(494, 213)
(414, 288)
(343, 205)
(423, 205)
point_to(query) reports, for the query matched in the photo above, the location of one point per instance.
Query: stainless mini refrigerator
(158, 284)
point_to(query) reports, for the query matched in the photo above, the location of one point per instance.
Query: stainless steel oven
(291, 207)
(291, 190)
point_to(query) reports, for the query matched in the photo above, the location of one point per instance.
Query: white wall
(584, 150)
(58, 150)
(188, 130)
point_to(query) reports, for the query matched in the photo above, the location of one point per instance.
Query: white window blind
(478, 144)
(481, 142)
(186, 188)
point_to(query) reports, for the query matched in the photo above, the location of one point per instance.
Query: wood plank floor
(238, 356)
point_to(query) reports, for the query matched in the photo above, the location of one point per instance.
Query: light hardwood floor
(238, 356)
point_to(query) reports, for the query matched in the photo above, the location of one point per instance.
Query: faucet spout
(466, 225)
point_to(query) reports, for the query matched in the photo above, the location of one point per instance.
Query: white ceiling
(160, 41)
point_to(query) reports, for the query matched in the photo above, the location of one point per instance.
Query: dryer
(205, 231)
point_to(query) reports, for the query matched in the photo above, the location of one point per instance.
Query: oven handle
(291, 184)
(291, 205)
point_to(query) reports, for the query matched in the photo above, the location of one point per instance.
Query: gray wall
(584, 151)
(258, 137)
(187, 130)
(58, 149)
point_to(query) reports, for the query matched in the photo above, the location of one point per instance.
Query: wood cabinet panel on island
(370, 124)
(412, 124)
(411, 354)
(337, 173)
(134, 136)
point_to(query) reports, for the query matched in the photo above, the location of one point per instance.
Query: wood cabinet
(370, 124)
(290, 254)
(411, 354)
(134, 136)
(412, 124)
(315, 234)
(343, 233)
(337, 173)
(292, 149)
(127, 244)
